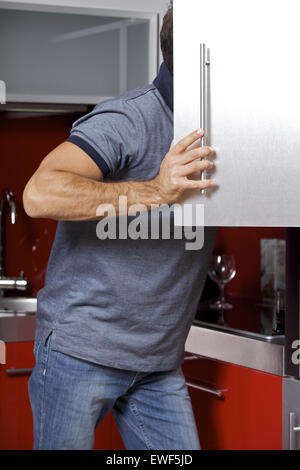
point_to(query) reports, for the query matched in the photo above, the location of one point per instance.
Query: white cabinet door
(74, 56)
(252, 102)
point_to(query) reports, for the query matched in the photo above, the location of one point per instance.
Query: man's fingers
(201, 152)
(184, 143)
(193, 167)
(197, 184)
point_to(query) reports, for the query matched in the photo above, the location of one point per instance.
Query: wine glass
(222, 270)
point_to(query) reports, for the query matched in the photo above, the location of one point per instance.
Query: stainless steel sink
(17, 306)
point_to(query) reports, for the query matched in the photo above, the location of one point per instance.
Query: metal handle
(192, 358)
(293, 430)
(18, 371)
(210, 391)
(204, 63)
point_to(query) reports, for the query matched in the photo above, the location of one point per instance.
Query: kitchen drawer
(235, 407)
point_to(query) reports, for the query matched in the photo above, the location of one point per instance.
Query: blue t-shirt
(127, 304)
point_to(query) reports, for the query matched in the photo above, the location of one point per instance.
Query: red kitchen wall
(244, 244)
(24, 141)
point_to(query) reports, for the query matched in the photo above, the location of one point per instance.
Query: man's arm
(68, 185)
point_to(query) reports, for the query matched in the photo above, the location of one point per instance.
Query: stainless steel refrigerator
(237, 75)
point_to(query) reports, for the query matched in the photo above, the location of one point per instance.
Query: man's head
(166, 38)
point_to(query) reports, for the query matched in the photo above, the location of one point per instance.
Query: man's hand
(69, 186)
(179, 163)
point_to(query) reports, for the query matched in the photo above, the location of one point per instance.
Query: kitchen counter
(214, 343)
(17, 327)
(243, 338)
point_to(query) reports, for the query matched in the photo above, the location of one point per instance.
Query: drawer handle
(192, 358)
(210, 391)
(293, 429)
(18, 371)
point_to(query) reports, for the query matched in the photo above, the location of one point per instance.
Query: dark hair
(166, 38)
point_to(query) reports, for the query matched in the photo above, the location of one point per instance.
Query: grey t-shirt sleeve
(108, 135)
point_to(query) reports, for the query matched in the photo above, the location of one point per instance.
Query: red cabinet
(235, 408)
(16, 424)
(16, 431)
(107, 436)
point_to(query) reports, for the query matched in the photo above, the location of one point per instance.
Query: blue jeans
(69, 397)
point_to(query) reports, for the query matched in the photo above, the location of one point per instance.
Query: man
(114, 314)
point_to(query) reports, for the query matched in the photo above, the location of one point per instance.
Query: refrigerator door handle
(204, 64)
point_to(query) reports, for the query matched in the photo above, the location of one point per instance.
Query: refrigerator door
(252, 102)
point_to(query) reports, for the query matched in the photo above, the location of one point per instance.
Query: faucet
(9, 283)
(13, 211)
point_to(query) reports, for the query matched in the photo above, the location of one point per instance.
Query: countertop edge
(213, 344)
(235, 349)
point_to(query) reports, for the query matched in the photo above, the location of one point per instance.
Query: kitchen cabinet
(107, 436)
(16, 424)
(78, 55)
(103, 434)
(129, 5)
(16, 428)
(236, 75)
(117, 441)
(236, 408)
(291, 414)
